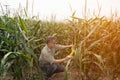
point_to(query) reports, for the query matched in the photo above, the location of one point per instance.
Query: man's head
(50, 42)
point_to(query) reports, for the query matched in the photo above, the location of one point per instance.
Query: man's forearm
(58, 61)
(66, 46)
(61, 60)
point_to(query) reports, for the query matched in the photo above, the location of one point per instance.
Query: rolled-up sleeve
(58, 47)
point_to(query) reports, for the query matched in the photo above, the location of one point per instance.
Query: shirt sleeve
(58, 47)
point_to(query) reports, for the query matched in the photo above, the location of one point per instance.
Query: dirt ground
(61, 76)
(73, 75)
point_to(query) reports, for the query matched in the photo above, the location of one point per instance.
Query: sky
(63, 9)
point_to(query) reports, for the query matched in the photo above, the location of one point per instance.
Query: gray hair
(49, 39)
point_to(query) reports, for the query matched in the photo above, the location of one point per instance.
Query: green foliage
(16, 50)
(9, 59)
(97, 43)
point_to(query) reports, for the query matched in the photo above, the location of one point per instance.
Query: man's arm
(62, 60)
(66, 46)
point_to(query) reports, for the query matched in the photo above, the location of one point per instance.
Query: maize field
(96, 47)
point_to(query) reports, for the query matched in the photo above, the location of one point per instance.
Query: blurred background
(62, 9)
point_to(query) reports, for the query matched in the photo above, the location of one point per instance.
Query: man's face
(52, 43)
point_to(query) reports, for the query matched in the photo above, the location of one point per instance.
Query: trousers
(50, 69)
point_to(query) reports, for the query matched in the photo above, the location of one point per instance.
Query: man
(48, 63)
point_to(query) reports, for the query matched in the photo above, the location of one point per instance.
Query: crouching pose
(48, 64)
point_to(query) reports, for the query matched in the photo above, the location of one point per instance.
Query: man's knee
(60, 68)
(53, 66)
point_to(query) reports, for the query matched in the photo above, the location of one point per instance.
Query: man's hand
(68, 57)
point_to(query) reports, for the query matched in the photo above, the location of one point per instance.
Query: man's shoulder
(58, 47)
(44, 49)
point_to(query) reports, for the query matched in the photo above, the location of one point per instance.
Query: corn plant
(96, 41)
(14, 40)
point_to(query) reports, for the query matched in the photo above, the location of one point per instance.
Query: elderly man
(48, 64)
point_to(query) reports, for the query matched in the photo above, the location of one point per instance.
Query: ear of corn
(72, 51)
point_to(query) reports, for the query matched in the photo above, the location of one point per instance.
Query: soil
(73, 75)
